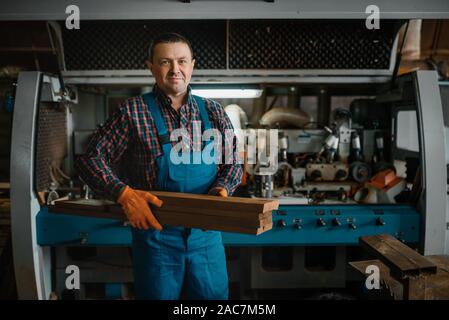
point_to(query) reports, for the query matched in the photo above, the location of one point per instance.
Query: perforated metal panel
(51, 144)
(123, 45)
(310, 45)
(251, 44)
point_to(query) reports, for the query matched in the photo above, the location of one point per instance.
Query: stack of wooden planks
(232, 214)
(404, 272)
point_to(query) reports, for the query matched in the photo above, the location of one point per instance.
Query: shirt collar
(166, 100)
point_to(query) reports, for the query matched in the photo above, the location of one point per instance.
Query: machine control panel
(334, 225)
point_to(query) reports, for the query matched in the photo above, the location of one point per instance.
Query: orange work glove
(137, 210)
(218, 191)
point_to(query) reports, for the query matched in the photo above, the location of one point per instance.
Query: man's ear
(193, 62)
(149, 65)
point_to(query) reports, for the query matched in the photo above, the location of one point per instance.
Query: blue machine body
(292, 225)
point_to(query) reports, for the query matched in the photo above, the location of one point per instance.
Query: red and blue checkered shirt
(124, 150)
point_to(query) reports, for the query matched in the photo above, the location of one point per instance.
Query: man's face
(172, 67)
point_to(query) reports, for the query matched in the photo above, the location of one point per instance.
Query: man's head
(171, 62)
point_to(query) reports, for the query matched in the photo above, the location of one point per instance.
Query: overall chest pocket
(190, 172)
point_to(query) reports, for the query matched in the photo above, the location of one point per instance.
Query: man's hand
(218, 191)
(135, 205)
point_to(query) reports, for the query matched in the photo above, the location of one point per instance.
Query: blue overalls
(176, 258)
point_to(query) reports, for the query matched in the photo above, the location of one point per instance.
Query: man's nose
(175, 67)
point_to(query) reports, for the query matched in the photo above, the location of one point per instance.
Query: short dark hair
(169, 37)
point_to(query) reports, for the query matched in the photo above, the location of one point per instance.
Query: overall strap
(163, 135)
(203, 112)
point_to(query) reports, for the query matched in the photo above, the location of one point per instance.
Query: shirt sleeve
(229, 172)
(105, 149)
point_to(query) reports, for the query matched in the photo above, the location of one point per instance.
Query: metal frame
(123, 80)
(432, 202)
(31, 262)
(165, 9)
(446, 139)
(239, 72)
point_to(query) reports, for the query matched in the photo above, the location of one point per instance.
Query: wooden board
(114, 211)
(184, 218)
(402, 260)
(208, 226)
(197, 204)
(5, 205)
(197, 211)
(215, 213)
(204, 211)
(173, 218)
(167, 220)
(232, 205)
(5, 186)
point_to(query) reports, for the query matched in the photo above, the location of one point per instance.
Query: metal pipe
(284, 117)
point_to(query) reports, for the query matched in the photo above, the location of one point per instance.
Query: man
(167, 260)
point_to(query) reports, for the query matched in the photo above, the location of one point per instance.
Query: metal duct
(284, 118)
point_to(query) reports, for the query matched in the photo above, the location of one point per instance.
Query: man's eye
(183, 61)
(164, 63)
